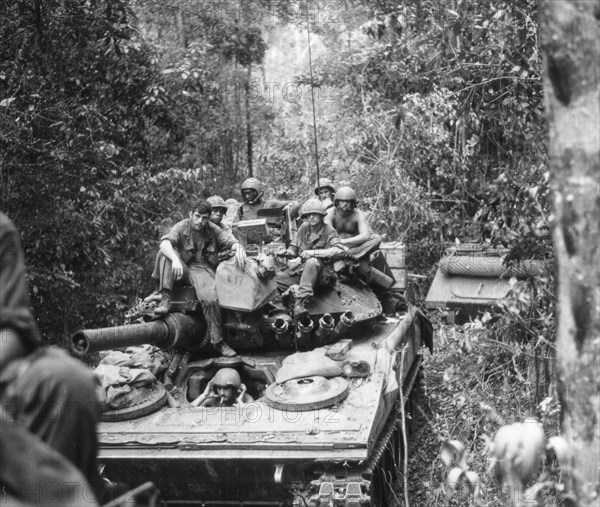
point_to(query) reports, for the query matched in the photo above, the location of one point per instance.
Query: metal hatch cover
(307, 393)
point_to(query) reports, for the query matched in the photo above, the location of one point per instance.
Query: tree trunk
(181, 35)
(570, 36)
(249, 123)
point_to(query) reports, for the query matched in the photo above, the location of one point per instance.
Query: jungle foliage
(115, 114)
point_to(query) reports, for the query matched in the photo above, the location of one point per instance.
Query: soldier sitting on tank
(351, 224)
(355, 233)
(252, 195)
(224, 390)
(217, 215)
(218, 211)
(189, 256)
(325, 191)
(318, 245)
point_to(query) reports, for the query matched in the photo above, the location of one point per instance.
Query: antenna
(312, 93)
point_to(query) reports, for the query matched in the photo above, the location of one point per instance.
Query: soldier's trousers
(370, 245)
(314, 272)
(52, 396)
(202, 278)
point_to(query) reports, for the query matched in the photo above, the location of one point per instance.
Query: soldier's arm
(333, 248)
(18, 330)
(323, 253)
(329, 216)
(228, 241)
(294, 249)
(166, 247)
(208, 393)
(11, 346)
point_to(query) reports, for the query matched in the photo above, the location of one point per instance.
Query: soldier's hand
(240, 255)
(177, 268)
(240, 398)
(208, 389)
(307, 254)
(286, 254)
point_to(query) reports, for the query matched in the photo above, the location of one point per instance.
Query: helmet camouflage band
(252, 184)
(313, 206)
(324, 183)
(345, 194)
(217, 202)
(227, 377)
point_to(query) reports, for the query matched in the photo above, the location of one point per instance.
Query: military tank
(328, 400)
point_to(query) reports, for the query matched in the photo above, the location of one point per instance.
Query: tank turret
(174, 330)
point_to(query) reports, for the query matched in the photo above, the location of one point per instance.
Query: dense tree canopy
(114, 115)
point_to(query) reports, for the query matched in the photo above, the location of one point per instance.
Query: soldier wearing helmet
(224, 390)
(252, 195)
(351, 224)
(217, 214)
(325, 191)
(317, 244)
(188, 255)
(218, 210)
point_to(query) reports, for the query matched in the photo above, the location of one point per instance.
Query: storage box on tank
(252, 232)
(243, 289)
(395, 256)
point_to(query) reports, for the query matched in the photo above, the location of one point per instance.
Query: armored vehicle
(324, 421)
(472, 277)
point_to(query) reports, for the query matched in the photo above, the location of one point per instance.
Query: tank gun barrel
(174, 330)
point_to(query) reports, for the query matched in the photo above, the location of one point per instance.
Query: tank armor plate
(352, 295)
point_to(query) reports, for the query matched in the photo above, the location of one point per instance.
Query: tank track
(395, 417)
(359, 481)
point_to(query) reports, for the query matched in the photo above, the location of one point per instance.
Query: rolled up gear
(492, 267)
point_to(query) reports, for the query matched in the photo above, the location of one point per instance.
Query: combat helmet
(253, 184)
(324, 183)
(345, 194)
(217, 202)
(313, 206)
(227, 377)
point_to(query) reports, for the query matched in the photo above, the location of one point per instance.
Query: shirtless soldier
(351, 224)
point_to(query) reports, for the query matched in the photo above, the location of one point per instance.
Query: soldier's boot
(300, 310)
(224, 349)
(165, 303)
